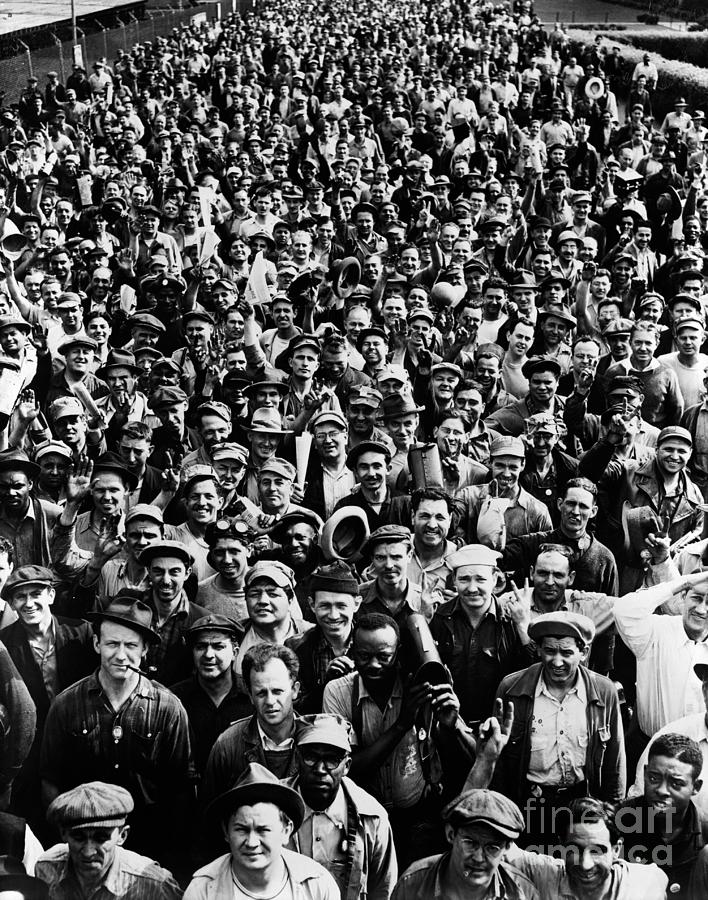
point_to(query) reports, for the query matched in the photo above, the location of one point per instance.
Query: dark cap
(337, 577)
(167, 396)
(367, 447)
(388, 534)
(488, 808)
(27, 575)
(129, 612)
(539, 364)
(214, 622)
(675, 433)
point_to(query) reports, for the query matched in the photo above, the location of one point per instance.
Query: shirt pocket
(540, 743)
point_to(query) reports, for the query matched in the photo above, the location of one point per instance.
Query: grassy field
(587, 11)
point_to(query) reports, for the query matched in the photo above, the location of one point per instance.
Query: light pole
(74, 38)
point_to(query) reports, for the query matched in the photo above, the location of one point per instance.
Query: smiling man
(567, 740)
(92, 820)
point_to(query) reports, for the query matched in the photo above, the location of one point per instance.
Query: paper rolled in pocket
(89, 404)
(303, 442)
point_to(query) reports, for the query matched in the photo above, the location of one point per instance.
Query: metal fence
(98, 41)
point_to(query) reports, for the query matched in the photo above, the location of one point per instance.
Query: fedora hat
(118, 359)
(126, 610)
(637, 524)
(559, 312)
(396, 405)
(344, 534)
(669, 204)
(259, 785)
(13, 460)
(266, 421)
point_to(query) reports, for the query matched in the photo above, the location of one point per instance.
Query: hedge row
(675, 78)
(682, 46)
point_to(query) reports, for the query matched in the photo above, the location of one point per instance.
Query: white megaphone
(594, 88)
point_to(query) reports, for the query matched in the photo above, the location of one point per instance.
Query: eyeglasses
(328, 435)
(330, 761)
(490, 850)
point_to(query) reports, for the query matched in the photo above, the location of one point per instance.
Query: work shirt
(45, 655)
(144, 746)
(130, 877)
(559, 736)
(398, 783)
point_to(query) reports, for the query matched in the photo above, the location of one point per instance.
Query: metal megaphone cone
(422, 653)
(345, 275)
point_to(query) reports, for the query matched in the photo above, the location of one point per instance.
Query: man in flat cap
(389, 550)
(324, 651)
(258, 816)
(51, 654)
(567, 740)
(92, 821)
(480, 825)
(344, 828)
(117, 723)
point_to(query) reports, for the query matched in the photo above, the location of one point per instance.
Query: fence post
(137, 26)
(121, 23)
(28, 54)
(82, 37)
(105, 40)
(60, 51)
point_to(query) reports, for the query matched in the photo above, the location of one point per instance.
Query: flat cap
(388, 534)
(540, 364)
(473, 555)
(562, 624)
(145, 320)
(446, 367)
(145, 511)
(488, 808)
(365, 395)
(504, 445)
(324, 728)
(65, 406)
(277, 466)
(617, 327)
(167, 396)
(214, 622)
(327, 415)
(674, 433)
(367, 447)
(274, 571)
(690, 322)
(335, 576)
(91, 805)
(168, 549)
(214, 408)
(393, 373)
(27, 575)
(229, 450)
(77, 340)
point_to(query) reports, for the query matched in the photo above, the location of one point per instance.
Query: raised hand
(494, 732)
(519, 605)
(108, 544)
(78, 484)
(27, 408)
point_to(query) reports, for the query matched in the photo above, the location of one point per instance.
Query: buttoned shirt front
(336, 485)
(399, 782)
(144, 746)
(322, 835)
(45, 655)
(559, 736)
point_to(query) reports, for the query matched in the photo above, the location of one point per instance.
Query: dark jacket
(604, 761)
(233, 751)
(75, 659)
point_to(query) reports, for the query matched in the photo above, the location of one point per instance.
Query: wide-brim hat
(558, 313)
(18, 461)
(130, 613)
(111, 462)
(669, 204)
(259, 785)
(344, 534)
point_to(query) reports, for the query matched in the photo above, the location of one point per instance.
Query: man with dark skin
(324, 758)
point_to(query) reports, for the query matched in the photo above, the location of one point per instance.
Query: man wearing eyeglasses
(345, 829)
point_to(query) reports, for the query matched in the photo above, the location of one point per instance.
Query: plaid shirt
(144, 746)
(171, 632)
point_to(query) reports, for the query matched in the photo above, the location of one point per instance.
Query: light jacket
(375, 870)
(308, 879)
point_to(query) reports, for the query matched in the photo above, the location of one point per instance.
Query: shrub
(675, 78)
